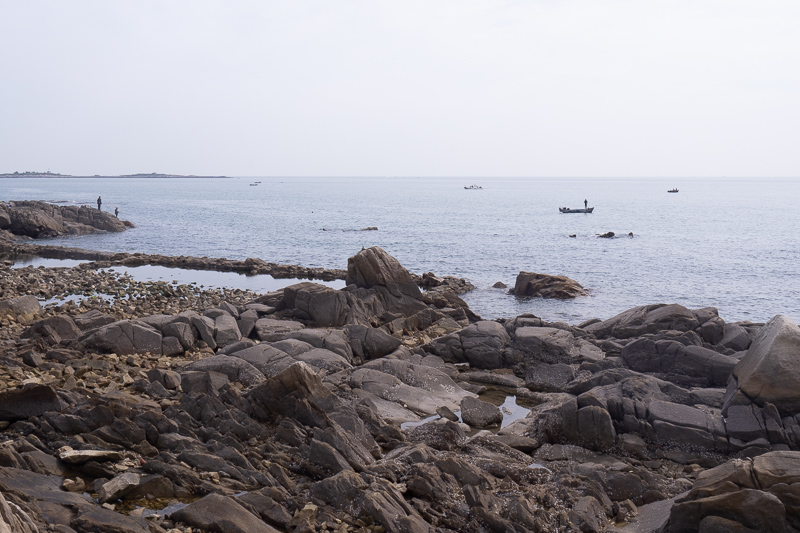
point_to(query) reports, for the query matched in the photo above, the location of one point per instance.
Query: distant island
(48, 174)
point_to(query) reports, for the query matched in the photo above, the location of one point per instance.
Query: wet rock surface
(167, 407)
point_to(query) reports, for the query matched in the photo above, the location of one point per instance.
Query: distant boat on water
(473, 187)
(255, 184)
(568, 210)
(673, 190)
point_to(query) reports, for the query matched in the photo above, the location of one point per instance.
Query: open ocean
(733, 244)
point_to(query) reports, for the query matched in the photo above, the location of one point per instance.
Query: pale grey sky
(401, 88)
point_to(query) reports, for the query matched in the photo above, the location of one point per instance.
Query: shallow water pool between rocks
(260, 283)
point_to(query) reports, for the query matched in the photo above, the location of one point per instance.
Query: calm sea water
(729, 243)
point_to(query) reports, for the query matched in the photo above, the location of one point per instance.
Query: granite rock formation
(375, 408)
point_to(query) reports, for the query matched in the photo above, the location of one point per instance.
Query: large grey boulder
(388, 388)
(636, 404)
(545, 377)
(235, 368)
(203, 382)
(749, 495)
(686, 426)
(674, 361)
(735, 337)
(269, 360)
(299, 394)
(29, 401)
(205, 328)
(32, 222)
(373, 267)
(481, 345)
(645, 319)
(324, 360)
(42, 220)
(227, 330)
(123, 338)
(554, 345)
(589, 426)
(421, 388)
(54, 329)
(271, 330)
(23, 308)
(480, 414)
(324, 305)
(378, 499)
(215, 512)
(770, 370)
(335, 340)
(370, 343)
(547, 286)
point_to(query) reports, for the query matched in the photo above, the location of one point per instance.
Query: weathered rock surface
(769, 373)
(480, 414)
(338, 413)
(645, 319)
(43, 220)
(546, 286)
(373, 268)
(221, 513)
(747, 495)
(123, 337)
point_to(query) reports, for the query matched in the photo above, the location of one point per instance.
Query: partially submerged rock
(42, 220)
(546, 286)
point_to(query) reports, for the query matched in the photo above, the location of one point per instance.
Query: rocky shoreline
(170, 408)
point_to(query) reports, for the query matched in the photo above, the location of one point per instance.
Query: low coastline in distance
(48, 174)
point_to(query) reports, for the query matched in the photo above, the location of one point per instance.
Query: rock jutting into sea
(546, 286)
(40, 220)
(168, 408)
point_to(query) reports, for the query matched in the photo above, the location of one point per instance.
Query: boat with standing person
(568, 210)
(673, 190)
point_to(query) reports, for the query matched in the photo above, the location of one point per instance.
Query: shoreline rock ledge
(375, 409)
(41, 220)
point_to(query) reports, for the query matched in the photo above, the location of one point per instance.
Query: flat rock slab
(271, 330)
(236, 369)
(79, 457)
(221, 513)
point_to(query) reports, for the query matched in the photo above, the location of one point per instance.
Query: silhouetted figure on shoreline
(116, 212)
(99, 202)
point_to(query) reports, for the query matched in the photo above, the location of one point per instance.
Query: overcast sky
(401, 88)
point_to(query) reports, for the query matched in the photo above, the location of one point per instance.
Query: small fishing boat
(673, 190)
(254, 184)
(473, 187)
(568, 210)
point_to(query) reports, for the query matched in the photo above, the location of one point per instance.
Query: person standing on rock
(99, 201)
(116, 212)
